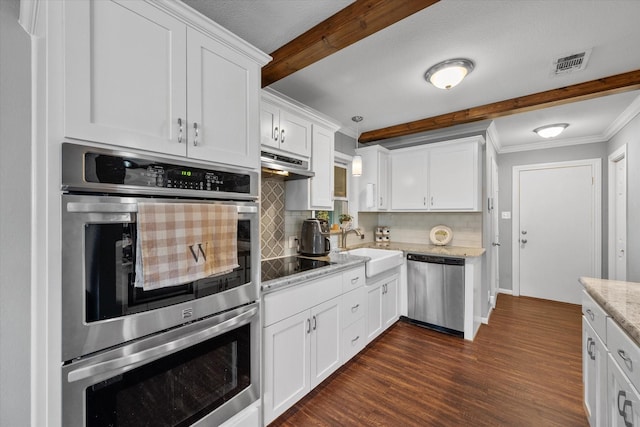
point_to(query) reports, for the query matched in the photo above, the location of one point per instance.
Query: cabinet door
(389, 303)
(374, 311)
(222, 108)
(409, 180)
(594, 371)
(325, 340)
(286, 363)
(624, 402)
(269, 125)
(125, 78)
(453, 177)
(383, 180)
(322, 166)
(295, 134)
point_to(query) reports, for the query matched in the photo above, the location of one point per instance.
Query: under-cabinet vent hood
(286, 167)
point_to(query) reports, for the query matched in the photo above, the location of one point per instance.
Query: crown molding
(29, 15)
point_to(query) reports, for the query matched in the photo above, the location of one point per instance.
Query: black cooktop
(281, 267)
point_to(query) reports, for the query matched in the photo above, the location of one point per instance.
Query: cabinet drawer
(595, 315)
(353, 305)
(279, 305)
(353, 339)
(625, 351)
(623, 403)
(352, 279)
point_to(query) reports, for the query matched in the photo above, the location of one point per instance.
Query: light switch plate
(292, 242)
(506, 215)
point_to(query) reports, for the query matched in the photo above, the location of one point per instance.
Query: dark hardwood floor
(523, 369)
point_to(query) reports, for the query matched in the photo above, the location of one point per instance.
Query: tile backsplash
(277, 225)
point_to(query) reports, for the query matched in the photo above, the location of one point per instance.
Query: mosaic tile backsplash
(272, 217)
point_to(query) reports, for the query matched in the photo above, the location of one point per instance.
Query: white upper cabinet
(136, 76)
(454, 177)
(284, 130)
(373, 184)
(439, 177)
(317, 192)
(408, 179)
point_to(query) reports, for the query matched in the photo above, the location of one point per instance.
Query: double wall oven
(180, 355)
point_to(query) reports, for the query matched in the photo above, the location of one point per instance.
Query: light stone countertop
(621, 300)
(452, 251)
(340, 262)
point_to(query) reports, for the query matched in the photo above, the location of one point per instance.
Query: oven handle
(126, 207)
(131, 361)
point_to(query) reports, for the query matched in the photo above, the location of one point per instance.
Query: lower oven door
(201, 373)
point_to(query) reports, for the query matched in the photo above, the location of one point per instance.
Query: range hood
(286, 167)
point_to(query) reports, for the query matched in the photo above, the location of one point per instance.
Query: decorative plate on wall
(440, 235)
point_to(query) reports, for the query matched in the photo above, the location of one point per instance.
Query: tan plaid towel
(182, 242)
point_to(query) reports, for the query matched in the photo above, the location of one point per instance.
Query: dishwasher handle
(435, 259)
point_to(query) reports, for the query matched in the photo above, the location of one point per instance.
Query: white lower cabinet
(624, 400)
(382, 305)
(594, 369)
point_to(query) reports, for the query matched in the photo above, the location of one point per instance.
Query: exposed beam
(579, 92)
(350, 25)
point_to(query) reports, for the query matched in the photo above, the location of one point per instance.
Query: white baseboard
(505, 291)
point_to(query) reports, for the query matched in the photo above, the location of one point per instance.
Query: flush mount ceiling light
(449, 73)
(356, 163)
(551, 131)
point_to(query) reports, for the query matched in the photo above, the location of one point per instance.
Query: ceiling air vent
(570, 63)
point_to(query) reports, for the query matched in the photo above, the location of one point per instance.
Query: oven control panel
(140, 172)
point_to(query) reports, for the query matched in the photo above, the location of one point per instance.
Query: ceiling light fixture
(449, 73)
(551, 131)
(356, 163)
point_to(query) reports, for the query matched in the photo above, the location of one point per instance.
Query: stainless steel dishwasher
(436, 292)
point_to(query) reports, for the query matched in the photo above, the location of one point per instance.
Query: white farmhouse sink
(381, 259)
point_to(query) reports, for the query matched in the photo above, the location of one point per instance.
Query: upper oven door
(101, 305)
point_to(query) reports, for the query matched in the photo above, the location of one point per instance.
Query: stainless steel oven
(198, 374)
(125, 348)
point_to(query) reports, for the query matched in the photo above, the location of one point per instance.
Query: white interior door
(557, 229)
(618, 215)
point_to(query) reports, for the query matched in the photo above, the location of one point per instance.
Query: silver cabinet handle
(315, 323)
(623, 411)
(623, 395)
(282, 135)
(195, 129)
(627, 359)
(355, 339)
(381, 201)
(524, 232)
(495, 244)
(523, 241)
(355, 280)
(424, 201)
(590, 313)
(588, 346)
(308, 326)
(275, 133)
(592, 350)
(355, 308)
(179, 130)
(431, 200)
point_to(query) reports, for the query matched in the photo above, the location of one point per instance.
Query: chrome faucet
(343, 236)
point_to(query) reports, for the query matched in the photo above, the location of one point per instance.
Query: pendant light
(356, 163)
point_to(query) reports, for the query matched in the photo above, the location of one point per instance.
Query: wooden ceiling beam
(579, 92)
(350, 25)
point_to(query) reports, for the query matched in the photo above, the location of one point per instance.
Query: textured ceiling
(512, 43)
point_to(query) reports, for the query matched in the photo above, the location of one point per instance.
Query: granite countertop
(452, 251)
(621, 300)
(341, 261)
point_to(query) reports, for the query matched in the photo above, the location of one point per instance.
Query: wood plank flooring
(523, 369)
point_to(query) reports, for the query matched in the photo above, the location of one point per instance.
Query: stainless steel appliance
(435, 287)
(314, 237)
(286, 266)
(286, 167)
(106, 319)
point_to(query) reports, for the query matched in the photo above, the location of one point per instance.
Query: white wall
(630, 135)
(505, 170)
(15, 218)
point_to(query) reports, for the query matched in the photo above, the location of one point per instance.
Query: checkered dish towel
(181, 242)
